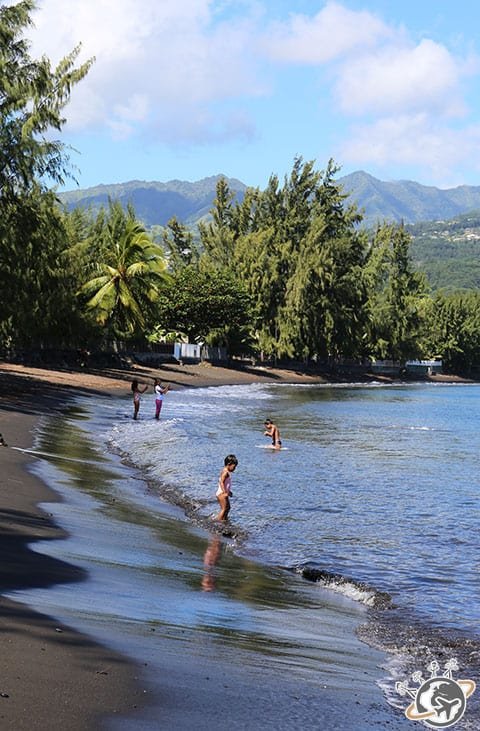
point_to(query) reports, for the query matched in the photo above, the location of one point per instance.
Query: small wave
(357, 590)
(337, 385)
(255, 390)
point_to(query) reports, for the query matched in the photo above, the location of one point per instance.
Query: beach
(56, 676)
(51, 676)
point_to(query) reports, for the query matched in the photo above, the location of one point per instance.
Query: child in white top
(160, 391)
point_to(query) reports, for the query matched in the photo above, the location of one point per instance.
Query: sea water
(375, 495)
(378, 484)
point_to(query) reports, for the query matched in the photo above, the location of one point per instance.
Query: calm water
(378, 484)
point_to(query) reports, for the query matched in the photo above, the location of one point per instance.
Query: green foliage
(201, 303)
(37, 278)
(325, 298)
(448, 252)
(257, 265)
(323, 311)
(297, 250)
(453, 330)
(395, 292)
(180, 245)
(127, 272)
(36, 303)
(218, 236)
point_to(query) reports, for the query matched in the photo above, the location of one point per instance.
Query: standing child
(224, 490)
(136, 390)
(160, 392)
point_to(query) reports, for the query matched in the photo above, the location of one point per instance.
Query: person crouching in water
(224, 490)
(272, 430)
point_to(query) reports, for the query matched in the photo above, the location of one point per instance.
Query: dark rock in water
(376, 599)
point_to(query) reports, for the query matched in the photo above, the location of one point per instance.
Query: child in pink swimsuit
(136, 390)
(224, 490)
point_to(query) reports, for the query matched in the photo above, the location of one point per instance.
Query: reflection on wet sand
(210, 560)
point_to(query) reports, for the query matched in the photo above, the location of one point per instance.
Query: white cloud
(329, 35)
(409, 93)
(176, 57)
(183, 72)
(414, 140)
(401, 79)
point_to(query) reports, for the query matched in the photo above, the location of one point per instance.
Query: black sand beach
(51, 676)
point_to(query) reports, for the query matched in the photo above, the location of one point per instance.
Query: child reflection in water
(210, 560)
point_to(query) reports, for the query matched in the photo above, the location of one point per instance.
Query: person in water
(136, 390)
(224, 490)
(160, 392)
(272, 431)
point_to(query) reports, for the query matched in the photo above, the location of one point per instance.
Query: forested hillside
(155, 203)
(406, 201)
(448, 251)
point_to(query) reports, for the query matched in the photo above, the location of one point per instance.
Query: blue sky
(190, 88)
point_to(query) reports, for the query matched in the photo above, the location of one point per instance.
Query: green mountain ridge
(404, 200)
(155, 203)
(444, 224)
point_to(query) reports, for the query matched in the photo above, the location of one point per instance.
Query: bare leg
(225, 507)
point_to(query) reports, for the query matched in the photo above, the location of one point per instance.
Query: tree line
(287, 272)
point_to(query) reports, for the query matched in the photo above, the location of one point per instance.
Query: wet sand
(51, 677)
(55, 677)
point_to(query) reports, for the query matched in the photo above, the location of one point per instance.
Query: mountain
(444, 225)
(404, 200)
(155, 203)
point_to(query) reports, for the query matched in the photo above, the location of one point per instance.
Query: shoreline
(17, 379)
(78, 661)
(51, 675)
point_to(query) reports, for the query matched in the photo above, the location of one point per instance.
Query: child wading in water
(160, 392)
(272, 430)
(224, 486)
(136, 390)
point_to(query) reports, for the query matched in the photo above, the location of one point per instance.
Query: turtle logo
(439, 701)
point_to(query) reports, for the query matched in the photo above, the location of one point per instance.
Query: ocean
(375, 497)
(379, 484)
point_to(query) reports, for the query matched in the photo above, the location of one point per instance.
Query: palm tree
(129, 278)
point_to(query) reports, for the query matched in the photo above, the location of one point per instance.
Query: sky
(185, 89)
